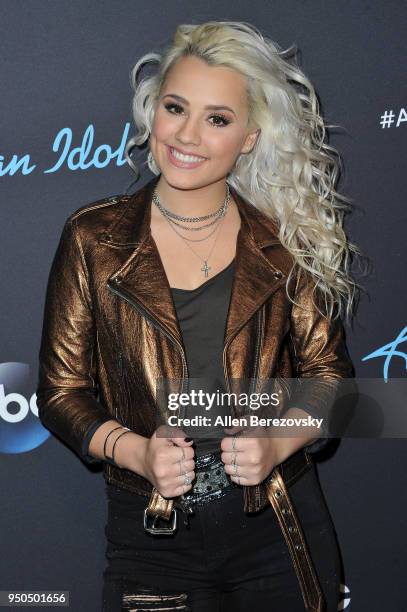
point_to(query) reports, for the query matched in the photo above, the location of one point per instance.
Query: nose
(189, 132)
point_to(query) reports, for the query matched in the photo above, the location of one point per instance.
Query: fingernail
(187, 439)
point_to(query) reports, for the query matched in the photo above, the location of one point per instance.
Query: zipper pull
(187, 510)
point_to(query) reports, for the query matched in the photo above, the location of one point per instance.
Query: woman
(230, 265)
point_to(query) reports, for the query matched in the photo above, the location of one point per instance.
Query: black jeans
(227, 561)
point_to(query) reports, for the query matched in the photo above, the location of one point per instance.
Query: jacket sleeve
(321, 358)
(67, 389)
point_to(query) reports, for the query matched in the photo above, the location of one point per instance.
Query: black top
(202, 314)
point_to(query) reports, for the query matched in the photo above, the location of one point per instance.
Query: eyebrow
(208, 107)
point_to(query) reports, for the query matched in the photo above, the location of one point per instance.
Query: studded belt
(211, 482)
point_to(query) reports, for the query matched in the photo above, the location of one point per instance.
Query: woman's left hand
(249, 460)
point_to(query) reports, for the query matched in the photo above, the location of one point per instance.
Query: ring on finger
(187, 479)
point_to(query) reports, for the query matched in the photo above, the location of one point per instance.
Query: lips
(184, 163)
(183, 152)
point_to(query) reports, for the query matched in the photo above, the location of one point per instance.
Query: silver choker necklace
(218, 213)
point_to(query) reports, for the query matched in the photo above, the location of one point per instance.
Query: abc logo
(20, 428)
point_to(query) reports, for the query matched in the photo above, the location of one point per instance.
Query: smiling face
(200, 124)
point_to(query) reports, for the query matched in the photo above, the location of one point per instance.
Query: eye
(172, 105)
(224, 121)
(176, 109)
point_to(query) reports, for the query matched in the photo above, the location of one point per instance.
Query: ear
(250, 141)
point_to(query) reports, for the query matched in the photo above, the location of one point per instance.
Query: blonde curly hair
(291, 173)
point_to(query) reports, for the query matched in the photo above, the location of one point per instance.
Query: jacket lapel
(256, 277)
(142, 280)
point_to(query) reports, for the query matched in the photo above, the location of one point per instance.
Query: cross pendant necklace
(205, 268)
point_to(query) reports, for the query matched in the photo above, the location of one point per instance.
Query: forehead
(193, 79)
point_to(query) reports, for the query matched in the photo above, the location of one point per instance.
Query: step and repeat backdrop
(65, 118)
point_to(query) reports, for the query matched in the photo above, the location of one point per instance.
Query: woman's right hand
(167, 457)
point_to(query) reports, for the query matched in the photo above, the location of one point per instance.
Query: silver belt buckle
(160, 530)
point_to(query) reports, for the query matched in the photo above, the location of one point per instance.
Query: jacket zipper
(260, 334)
(143, 312)
(185, 378)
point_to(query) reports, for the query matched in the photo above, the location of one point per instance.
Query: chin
(175, 180)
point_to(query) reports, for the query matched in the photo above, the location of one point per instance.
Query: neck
(191, 202)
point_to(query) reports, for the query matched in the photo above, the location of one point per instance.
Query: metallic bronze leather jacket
(110, 328)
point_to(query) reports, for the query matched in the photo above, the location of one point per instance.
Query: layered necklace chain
(218, 215)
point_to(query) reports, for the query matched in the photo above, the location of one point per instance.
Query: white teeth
(185, 158)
